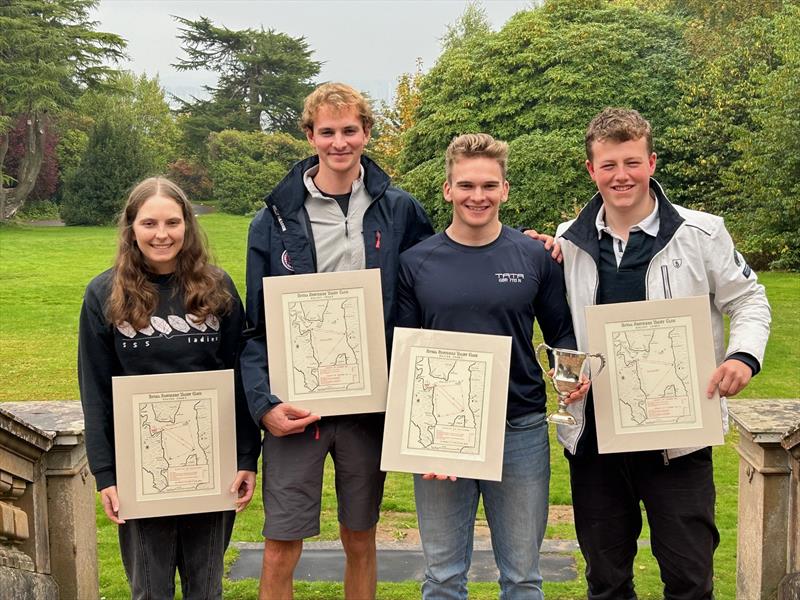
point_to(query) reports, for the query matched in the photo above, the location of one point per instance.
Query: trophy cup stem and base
(568, 368)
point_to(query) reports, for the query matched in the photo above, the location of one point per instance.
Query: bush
(113, 162)
(192, 177)
(245, 166)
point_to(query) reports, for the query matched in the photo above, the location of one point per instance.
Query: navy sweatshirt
(496, 289)
(171, 343)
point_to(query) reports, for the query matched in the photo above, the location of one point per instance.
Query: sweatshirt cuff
(105, 478)
(747, 359)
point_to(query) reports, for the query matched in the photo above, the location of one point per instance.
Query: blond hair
(340, 97)
(476, 145)
(618, 125)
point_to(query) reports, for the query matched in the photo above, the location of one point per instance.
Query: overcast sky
(367, 43)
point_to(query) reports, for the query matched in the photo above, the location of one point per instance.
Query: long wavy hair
(134, 297)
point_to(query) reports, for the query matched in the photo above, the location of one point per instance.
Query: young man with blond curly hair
(334, 211)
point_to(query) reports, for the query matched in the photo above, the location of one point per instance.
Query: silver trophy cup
(568, 366)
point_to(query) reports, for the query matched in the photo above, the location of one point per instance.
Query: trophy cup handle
(545, 366)
(602, 363)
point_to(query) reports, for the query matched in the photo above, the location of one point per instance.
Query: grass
(45, 270)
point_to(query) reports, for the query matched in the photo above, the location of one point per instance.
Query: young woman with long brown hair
(162, 308)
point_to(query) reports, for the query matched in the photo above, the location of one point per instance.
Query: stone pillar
(790, 586)
(764, 482)
(70, 496)
(24, 539)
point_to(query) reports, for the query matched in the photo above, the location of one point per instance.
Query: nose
(161, 231)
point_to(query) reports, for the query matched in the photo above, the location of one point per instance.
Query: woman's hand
(244, 485)
(110, 500)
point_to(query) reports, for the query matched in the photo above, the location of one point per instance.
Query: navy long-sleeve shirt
(499, 289)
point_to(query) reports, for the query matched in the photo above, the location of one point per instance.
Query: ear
(310, 135)
(446, 191)
(652, 163)
(506, 187)
(367, 134)
(590, 168)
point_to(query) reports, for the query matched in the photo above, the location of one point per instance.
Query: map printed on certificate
(174, 446)
(651, 395)
(326, 341)
(653, 380)
(448, 394)
(446, 407)
(326, 335)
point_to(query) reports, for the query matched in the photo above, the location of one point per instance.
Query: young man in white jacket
(630, 243)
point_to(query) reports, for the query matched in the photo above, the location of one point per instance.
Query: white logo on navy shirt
(510, 277)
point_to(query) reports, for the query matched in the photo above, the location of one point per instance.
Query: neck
(621, 222)
(335, 182)
(474, 236)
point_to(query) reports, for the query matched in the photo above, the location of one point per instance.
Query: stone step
(324, 561)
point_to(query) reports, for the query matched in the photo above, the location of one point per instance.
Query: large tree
(536, 83)
(263, 77)
(49, 52)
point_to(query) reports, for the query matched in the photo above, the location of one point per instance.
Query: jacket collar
(285, 203)
(583, 232)
(290, 194)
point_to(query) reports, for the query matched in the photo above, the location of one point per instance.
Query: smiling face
(339, 138)
(159, 229)
(476, 188)
(622, 172)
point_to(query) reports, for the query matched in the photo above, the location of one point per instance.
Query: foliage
(47, 178)
(245, 166)
(264, 75)
(766, 177)
(549, 69)
(139, 103)
(391, 122)
(49, 51)
(472, 22)
(536, 83)
(192, 177)
(115, 160)
(736, 128)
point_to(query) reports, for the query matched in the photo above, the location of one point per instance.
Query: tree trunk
(29, 168)
(3, 152)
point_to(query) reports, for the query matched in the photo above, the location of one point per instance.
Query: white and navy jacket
(693, 255)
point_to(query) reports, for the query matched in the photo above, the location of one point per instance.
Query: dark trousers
(152, 549)
(679, 500)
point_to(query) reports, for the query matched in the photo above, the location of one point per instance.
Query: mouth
(477, 209)
(161, 246)
(622, 188)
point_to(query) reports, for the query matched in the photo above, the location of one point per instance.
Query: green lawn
(45, 270)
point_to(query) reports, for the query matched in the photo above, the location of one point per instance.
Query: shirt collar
(649, 224)
(314, 190)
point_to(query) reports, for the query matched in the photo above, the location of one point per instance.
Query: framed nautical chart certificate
(446, 410)
(326, 343)
(652, 393)
(175, 443)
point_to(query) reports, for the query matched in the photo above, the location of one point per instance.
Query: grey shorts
(293, 471)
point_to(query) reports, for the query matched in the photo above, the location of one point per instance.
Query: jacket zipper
(378, 239)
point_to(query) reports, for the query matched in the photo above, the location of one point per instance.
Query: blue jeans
(516, 509)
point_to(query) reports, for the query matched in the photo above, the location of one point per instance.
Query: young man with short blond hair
(335, 211)
(480, 276)
(630, 243)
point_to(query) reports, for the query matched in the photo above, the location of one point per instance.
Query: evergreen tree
(113, 162)
(49, 52)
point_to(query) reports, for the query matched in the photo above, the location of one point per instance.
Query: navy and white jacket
(693, 255)
(279, 243)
